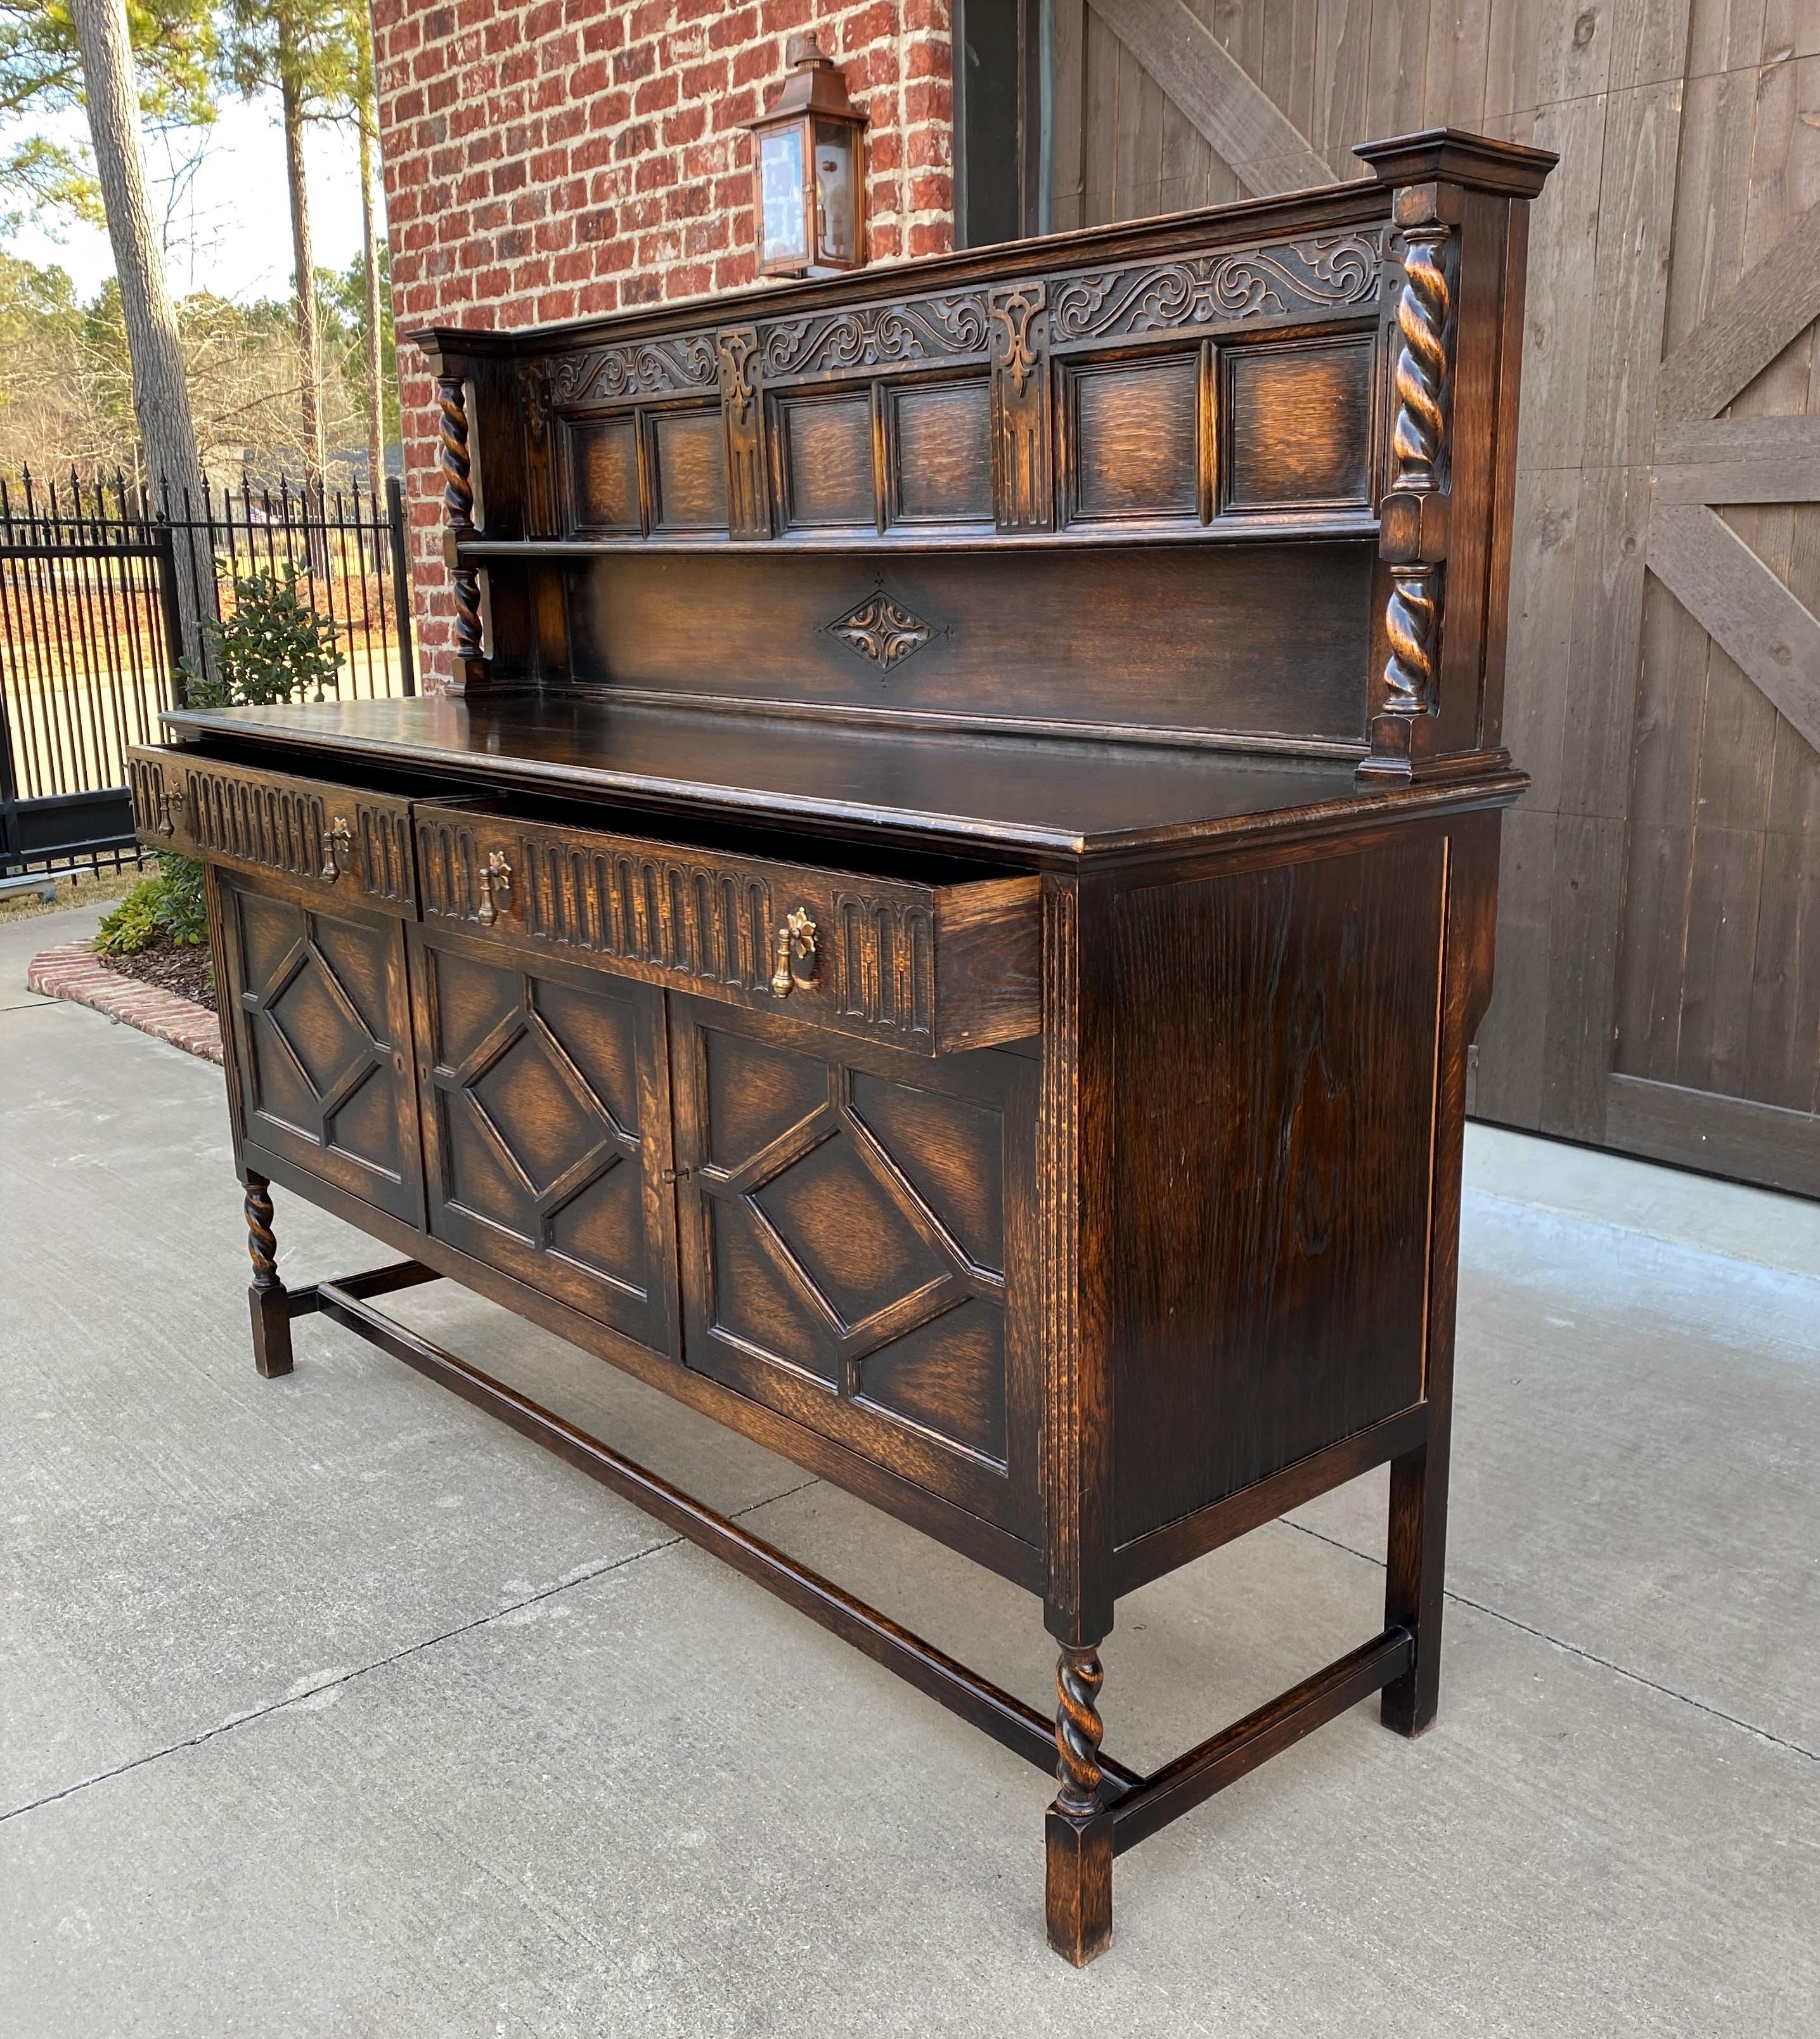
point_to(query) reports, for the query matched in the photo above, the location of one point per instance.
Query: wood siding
(1659, 947)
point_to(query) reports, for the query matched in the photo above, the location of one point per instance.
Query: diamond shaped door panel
(546, 1132)
(852, 1251)
(320, 1015)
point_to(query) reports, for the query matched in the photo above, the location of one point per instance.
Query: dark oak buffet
(941, 921)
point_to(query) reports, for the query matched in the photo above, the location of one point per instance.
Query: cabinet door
(320, 1011)
(546, 1127)
(854, 1226)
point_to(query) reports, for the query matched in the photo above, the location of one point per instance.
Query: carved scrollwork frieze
(952, 327)
(1338, 272)
(681, 364)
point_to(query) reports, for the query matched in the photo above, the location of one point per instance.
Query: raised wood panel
(848, 1255)
(941, 454)
(1297, 421)
(1134, 439)
(1303, 1064)
(825, 444)
(545, 1128)
(604, 461)
(318, 1006)
(688, 459)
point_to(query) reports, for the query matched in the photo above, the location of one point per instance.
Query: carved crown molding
(677, 366)
(1328, 273)
(932, 329)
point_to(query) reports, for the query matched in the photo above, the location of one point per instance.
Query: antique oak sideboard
(942, 919)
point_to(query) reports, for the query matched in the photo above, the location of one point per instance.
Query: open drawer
(335, 841)
(933, 966)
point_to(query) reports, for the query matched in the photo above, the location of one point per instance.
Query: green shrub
(166, 907)
(271, 646)
(135, 923)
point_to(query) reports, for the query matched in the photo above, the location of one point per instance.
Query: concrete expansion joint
(1585, 1655)
(359, 1671)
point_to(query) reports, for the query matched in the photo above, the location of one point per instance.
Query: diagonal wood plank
(1734, 597)
(1263, 148)
(1742, 333)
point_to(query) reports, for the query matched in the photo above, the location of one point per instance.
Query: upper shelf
(1249, 469)
(1339, 527)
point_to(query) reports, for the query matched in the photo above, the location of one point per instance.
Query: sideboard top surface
(1043, 799)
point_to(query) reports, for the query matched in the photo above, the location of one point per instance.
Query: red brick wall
(549, 159)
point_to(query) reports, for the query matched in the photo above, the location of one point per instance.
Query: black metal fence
(95, 579)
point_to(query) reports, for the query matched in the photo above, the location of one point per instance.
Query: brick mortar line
(72, 972)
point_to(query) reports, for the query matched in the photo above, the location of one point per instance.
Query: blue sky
(229, 232)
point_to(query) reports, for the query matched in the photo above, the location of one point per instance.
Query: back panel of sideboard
(1259, 639)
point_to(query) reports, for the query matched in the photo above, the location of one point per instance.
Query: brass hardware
(795, 946)
(672, 1174)
(495, 884)
(340, 838)
(166, 802)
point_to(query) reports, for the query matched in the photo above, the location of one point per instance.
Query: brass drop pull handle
(167, 825)
(794, 954)
(339, 838)
(495, 888)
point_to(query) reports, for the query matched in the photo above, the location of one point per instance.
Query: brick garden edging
(73, 971)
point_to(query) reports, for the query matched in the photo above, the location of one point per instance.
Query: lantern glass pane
(836, 211)
(780, 181)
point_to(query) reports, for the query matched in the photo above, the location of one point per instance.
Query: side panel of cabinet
(856, 1246)
(546, 1127)
(321, 1018)
(1275, 1150)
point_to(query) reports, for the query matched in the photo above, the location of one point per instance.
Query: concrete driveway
(329, 1706)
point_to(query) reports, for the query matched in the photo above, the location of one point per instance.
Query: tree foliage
(175, 49)
(66, 387)
(271, 645)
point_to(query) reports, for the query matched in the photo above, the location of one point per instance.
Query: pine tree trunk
(160, 393)
(375, 417)
(308, 350)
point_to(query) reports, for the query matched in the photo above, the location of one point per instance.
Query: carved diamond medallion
(882, 630)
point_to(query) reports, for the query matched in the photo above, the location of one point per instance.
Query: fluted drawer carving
(348, 843)
(932, 968)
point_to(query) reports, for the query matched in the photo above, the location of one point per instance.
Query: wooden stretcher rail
(1140, 1805)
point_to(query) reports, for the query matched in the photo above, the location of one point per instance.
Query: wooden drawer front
(546, 1126)
(932, 968)
(854, 1247)
(321, 1018)
(349, 843)
(154, 774)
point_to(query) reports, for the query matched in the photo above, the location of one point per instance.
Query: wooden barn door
(1659, 950)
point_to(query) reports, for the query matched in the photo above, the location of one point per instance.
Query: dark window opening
(999, 124)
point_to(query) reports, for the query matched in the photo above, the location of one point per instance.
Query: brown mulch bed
(184, 971)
